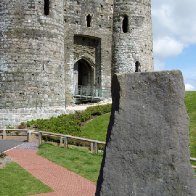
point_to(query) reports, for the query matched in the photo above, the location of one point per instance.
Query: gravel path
(28, 146)
(8, 144)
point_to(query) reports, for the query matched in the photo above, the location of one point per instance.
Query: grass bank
(96, 128)
(68, 124)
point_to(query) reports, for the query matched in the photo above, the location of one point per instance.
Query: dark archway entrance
(83, 77)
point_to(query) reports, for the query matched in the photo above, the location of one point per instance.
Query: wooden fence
(13, 132)
(63, 139)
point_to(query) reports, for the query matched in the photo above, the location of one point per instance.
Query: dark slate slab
(147, 151)
(8, 144)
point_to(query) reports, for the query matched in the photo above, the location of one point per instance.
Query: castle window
(137, 67)
(46, 7)
(125, 24)
(88, 20)
(101, 7)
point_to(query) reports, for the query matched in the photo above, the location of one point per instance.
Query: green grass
(96, 128)
(77, 160)
(14, 180)
(190, 101)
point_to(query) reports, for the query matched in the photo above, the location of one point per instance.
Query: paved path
(62, 181)
(8, 144)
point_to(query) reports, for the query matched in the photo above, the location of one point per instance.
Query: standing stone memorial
(147, 147)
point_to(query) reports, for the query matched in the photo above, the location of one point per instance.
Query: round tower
(31, 59)
(132, 36)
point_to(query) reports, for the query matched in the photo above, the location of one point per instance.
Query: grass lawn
(77, 160)
(96, 128)
(15, 181)
(191, 109)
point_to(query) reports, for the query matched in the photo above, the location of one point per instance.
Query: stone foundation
(16, 116)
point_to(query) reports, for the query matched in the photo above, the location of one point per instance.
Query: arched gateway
(84, 79)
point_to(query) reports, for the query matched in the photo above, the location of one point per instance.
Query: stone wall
(31, 55)
(13, 117)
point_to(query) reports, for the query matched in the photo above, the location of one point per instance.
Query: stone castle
(54, 51)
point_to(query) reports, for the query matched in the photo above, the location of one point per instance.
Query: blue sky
(174, 36)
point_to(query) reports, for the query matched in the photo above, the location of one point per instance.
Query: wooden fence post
(94, 148)
(65, 142)
(29, 136)
(40, 138)
(4, 135)
(61, 141)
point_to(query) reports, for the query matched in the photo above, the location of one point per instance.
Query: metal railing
(91, 92)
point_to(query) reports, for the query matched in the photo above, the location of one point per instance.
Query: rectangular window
(46, 7)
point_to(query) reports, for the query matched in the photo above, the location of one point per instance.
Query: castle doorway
(83, 77)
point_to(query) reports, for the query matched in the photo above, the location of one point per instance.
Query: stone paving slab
(8, 144)
(61, 180)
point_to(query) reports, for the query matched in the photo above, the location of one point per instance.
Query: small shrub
(22, 126)
(9, 127)
(99, 110)
(2, 155)
(68, 124)
(83, 116)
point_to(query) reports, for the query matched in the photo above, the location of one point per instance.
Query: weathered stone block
(147, 150)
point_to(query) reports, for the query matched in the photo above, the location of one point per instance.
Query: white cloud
(175, 18)
(166, 46)
(189, 87)
(174, 29)
(173, 26)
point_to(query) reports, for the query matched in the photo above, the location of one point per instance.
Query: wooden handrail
(55, 134)
(193, 166)
(22, 130)
(4, 134)
(64, 139)
(193, 159)
(71, 137)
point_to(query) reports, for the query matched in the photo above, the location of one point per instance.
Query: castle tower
(31, 59)
(132, 36)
